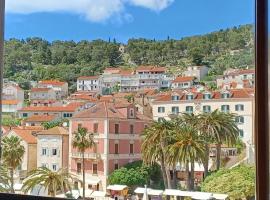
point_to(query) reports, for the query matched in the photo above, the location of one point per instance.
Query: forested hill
(36, 58)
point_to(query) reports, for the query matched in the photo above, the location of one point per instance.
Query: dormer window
(207, 96)
(225, 95)
(189, 96)
(175, 98)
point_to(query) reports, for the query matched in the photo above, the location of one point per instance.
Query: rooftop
(52, 82)
(40, 118)
(181, 79)
(88, 77)
(54, 131)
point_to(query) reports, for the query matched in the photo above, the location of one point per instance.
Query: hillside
(36, 58)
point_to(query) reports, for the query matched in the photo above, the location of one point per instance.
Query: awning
(92, 180)
(201, 195)
(220, 196)
(98, 194)
(172, 192)
(117, 187)
(150, 191)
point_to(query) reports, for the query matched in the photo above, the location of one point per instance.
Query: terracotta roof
(40, 89)
(83, 97)
(25, 135)
(150, 69)
(32, 128)
(52, 82)
(235, 93)
(54, 131)
(112, 70)
(68, 108)
(88, 77)
(40, 118)
(10, 102)
(126, 72)
(242, 71)
(180, 79)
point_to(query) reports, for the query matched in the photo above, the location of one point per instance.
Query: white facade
(60, 88)
(90, 83)
(42, 94)
(12, 92)
(197, 71)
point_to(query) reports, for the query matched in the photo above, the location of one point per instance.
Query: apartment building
(116, 129)
(12, 98)
(53, 148)
(184, 82)
(60, 88)
(196, 71)
(42, 94)
(88, 83)
(233, 78)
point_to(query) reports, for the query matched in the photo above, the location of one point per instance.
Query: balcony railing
(86, 155)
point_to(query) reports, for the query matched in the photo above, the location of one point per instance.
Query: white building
(240, 101)
(183, 82)
(88, 83)
(13, 98)
(42, 94)
(60, 88)
(53, 148)
(196, 71)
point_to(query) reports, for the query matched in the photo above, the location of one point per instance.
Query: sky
(123, 19)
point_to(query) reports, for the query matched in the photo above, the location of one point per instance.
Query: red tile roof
(242, 71)
(88, 77)
(112, 70)
(52, 82)
(126, 72)
(181, 79)
(54, 131)
(40, 118)
(10, 102)
(68, 108)
(25, 135)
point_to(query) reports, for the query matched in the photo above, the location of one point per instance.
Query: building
(183, 82)
(116, 129)
(37, 120)
(61, 112)
(42, 94)
(196, 71)
(60, 88)
(12, 98)
(233, 78)
(29, 142)
(11, 106)
(239, 101)
(88, 83)
(53, 148)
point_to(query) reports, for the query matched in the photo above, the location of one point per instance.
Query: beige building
(183, 82)
(60, 88)
(12, 98)
(42, 94)
(53, 148)
(196, 71)
(239, 101)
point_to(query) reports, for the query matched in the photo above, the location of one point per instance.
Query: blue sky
(123, 19)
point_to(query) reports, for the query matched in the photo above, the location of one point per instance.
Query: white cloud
(93, 10)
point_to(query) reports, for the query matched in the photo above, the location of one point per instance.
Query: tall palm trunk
(174, 185)
(163, 170)
(192, 175)
(187, 176)
(12, 180)
(218, 156)
(168, 177)
(206, 161)
(162, 144)
(83, 166)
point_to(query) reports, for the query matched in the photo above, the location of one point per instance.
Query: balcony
(94, 156)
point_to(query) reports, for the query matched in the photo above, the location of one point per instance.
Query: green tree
(83, 140)
(238, 182)
(12, 155)
(50, 180)
(5, 179)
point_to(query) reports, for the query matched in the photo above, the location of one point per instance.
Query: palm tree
(5, 179)
(12, 155)
(50, 180)
(187, 148)
(219, 127)
(83, 140)
(157, 135)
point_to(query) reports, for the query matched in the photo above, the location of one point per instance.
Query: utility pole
(2, 28)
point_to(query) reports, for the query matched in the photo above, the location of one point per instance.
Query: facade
(11, 106)
(60, 88)
(42, 94)
(37, 120)
(239, 101)
(88, 83)
(12, 98)
(196, 71)
(29, 142)
(53, 148)
(237, 78)
(116, 130)
(183, 82)
(61, 112)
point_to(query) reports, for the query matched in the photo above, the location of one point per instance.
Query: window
(207, 96)
(116, 128)
(239, 107)
(161, 109)
(44, 151)
(116, 148)
(25, 114)
(189, 109)
(116, 166)
(206, 109)
(94, 168)
(241, 133)
(44, 165)
(79, 167)
(54, 152)
(189, 97)
(175, 98)
(175, 109)
(131, 127)
(131, 112)
(54, 167)
(225, 108)
(131, 145)
(95, 128)
(239, 119)
(225, 95)
(95, 148)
